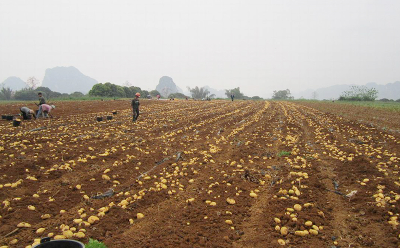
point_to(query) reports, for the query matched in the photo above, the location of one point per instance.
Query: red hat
(137, 94)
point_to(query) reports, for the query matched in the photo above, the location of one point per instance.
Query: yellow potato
(308, 223)
(68, 234)
(297, 207)
(78, 221)
(92, 219)
(13, 242)
(139, 215)
(46, 216)
(229, 222)
(254, 195)
(105, 177)
(230, 201)
(79, 235)
(301, 233)
(59, 237)
(281, 242)
(284, 231)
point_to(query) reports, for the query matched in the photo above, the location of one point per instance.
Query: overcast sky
(259, 46)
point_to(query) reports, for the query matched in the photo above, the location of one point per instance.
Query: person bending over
(27, 112)
(46, 109)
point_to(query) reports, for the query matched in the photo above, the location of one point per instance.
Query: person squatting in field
(27, 112)
(41, 102)
(135, 106)
(46, 109)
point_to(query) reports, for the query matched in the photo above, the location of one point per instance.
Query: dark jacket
(42, 100)
(135, 103)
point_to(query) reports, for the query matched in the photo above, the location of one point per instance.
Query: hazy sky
(259, 46)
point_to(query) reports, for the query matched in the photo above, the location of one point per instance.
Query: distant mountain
(166, 86)
(389, 91)
(67, 80)
(14, 83)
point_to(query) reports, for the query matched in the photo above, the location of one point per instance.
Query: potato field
(199, 174)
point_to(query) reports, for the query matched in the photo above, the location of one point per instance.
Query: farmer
(135, 107)
(26, 112)
(41, 101)
(158, 97)
(46, 109)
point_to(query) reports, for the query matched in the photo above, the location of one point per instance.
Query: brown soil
(180, 162)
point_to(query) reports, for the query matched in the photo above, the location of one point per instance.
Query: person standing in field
(135, 107)
(46, 109)
(232, 96)
(41, 102)
(26, 112)
(41, 99)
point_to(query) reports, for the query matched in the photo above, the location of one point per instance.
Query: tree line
(110, 90)
(28, 94)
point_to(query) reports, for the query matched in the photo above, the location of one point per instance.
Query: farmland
(200, 174)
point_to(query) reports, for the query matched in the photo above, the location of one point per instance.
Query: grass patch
(393, 106)
(95, 244)
(284, 154)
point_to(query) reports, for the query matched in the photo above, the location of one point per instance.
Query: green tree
(25, 94)
(100, 90)
(282, 95)
(48, 93)
(177, 95)
(76, 94)
(145, 93)
(198, 93)
(112, 90)
(44, 90)
(115, 90)
(359, 93)
(154, 93)
(236, 92)
(6, 93)
(128, 92)
(256, 98)
(135, 90)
